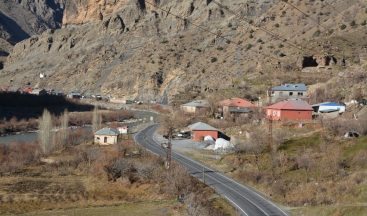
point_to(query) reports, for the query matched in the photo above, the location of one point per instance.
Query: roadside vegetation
(63, 172)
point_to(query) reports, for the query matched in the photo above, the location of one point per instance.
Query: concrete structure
(195, 107)
(200, 130)
(287, 91)
(289, 110)
(106, 136)
(236, 107)
(123, 129)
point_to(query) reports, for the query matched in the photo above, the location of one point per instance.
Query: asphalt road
(245, 199)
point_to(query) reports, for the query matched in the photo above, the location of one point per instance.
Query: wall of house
(289, 115)
(199, 135)
(100, 139)
(188, 109)
(283, 95)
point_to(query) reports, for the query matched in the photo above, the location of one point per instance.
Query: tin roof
(237, 102)
(108, 132)
(291, 105)
(328, 104)
(239, 110)
(290, 87)
(202, 126)
(197, 103)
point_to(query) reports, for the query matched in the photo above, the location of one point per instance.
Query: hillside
(23, 18)
(140, 49)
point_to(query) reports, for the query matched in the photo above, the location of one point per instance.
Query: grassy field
(158, 208)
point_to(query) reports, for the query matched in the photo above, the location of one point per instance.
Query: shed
(298, 110)
(328, 107)
(106, 136)
(200, 130)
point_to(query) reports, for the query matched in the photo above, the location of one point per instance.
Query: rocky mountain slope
(141, 49)
(23, 18)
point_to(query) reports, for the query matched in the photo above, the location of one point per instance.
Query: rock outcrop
(140, 49)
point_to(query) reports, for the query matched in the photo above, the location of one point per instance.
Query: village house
(287, 91)
(289, 110)
(235, 108)
(38, 92)
(106, 136)
(194, 107)
(199, 130)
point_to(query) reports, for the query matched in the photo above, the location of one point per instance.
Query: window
(105, 140)
(300, 93)
(290, 93)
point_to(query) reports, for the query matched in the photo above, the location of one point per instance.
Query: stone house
(195, 107)
(106, 136)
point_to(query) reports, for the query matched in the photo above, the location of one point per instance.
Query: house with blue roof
(106, 136)
(287, 91)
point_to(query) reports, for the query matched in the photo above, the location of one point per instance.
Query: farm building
(287, 91)
(106, 136)
(194, 107)
(297, 110)
(199, 130)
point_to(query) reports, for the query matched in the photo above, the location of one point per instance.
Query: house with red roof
(289, 110)
(236, 107)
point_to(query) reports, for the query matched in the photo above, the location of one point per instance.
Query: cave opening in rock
(309, 61)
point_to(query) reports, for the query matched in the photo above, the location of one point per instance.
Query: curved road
(245, 199)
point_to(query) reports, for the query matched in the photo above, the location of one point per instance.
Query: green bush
(343, 26)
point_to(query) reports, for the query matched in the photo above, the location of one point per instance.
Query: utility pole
(169, 149)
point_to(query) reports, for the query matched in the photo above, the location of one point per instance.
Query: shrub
(317, 33)
(343, 26)
(213, 59)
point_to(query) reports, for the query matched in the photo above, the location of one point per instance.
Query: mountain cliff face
(21, 19)
(140, 49)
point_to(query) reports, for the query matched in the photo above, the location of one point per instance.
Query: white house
(106, 136)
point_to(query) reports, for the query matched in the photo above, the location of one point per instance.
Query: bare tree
(45, 134)
(256, 145)
(170, 123)
(97, 119)
(305, 162)
(213, 104)
(64, 132)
